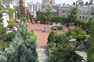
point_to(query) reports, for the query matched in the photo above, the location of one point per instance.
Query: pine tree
(0, 2)
(73, 14)
(39, 15)
(91, 42)
(18, 13)
(22, 49)
(51, 37)
(28, 15)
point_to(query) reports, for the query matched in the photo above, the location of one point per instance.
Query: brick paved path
(42, 36)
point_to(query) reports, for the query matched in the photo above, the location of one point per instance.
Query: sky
(59, 1)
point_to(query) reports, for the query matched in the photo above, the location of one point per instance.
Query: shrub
(4, 30)
(38, 22)
(80, 37)
(73, 34)
(10, 25)
(60, 28)
(79, 30)
(51, 37)
(9, 36)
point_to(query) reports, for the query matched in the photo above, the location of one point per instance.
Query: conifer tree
(22, 49)
(18, 13)
(73, 14)
(28, 15)
(91, 42)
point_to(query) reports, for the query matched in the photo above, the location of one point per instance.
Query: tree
(91, 42)
(48, 12)
(73, 14)
(28, 15)
(22, 48)
(39, 15)
(0, 2)
(18, 13)
(63, 52)
(51, 37)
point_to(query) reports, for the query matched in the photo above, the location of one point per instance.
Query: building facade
(84, 12)
(48, 2)
(8, 2)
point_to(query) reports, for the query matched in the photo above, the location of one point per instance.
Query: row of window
(83, 17)
(84, 12)
(81, 12)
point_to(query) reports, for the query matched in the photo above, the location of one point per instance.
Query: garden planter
(47, 29)
(59, 31)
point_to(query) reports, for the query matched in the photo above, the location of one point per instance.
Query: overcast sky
(59, 1)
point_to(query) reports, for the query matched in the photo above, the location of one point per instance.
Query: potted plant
(47, 28)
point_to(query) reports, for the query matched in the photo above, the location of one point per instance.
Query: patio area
(42, 35)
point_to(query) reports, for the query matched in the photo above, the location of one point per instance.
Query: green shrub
(10, 25)
(9, 36)
(38, 22)
(79, 30)
(73, 34)
(51, 37)
(79, 43)
(60, 28)
(80, 37)
(4, 30)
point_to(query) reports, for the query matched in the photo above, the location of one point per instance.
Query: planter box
(47, 29)
(59, 32)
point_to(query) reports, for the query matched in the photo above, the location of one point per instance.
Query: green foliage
(0, 2)
(3, 30)
(60, 28)
(48, 12)
(18, 13)
(64, 53)
(73, 34)
(91, 46)
(79, 30)
(10, 36)
(9, 10)
(38, 22)
(73, 14)
(39, 16)
(22, 48)
(10, 25)
(34, 36)
(51, 37)
(27, 17)
(4, 44)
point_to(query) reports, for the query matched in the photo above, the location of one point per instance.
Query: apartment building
(8, 2)
(84, 12)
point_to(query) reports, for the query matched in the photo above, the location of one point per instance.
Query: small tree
(51, 37)
(18, 13)
(0, 2)
(39, 15)
(28, 15)
(91, 42)
(48, 12)
(22, 49)
(73, 14)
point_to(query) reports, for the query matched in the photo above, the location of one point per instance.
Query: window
(83, 17)
(86, 13)
(80, 17)
(80, 12)
(86, 18)
(63, 14)
(63, 11)
(83, 12)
